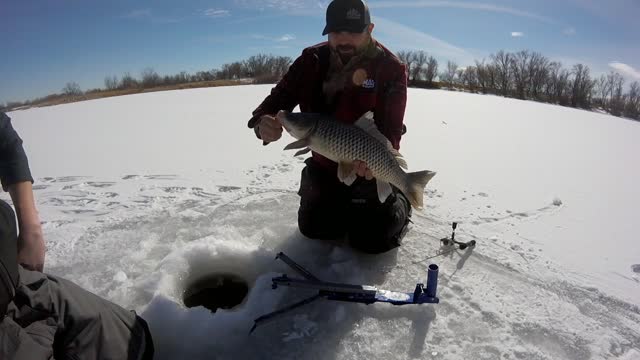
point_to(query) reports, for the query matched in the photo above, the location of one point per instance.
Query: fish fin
(302, 152)
(298, 144)
(346, 172)
(366, 123)
(416, 182)
(399, 159)
(384, 190)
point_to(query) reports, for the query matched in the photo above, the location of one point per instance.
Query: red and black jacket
(384, 92)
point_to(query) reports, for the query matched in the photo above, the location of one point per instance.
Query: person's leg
(16, 341)
(8, 256)
(82, 324)
(321, 212)
(376, 227)
(53, 315)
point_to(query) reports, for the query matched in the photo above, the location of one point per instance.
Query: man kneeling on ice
(345, 78)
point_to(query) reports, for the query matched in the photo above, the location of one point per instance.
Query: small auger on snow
(452, 241)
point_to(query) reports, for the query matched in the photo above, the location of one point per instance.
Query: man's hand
(31, 249)
(269, 128)
(362, 169)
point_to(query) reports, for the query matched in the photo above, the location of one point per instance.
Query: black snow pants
(331, 210)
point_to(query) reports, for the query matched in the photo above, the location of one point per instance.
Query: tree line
(528, 75)
(523, 75)
(257, 69)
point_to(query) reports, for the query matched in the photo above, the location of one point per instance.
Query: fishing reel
(452, 241)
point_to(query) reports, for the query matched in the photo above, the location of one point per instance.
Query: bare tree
(203, 76)
(632, 106)
(149, 78)
(616, 88)
(234, 70)
(482, 76)
(469, 79)
(581, 87)
(557, 86)
(419, 60)
(111, 82)
(257, 65)
(538, 73)
(281, 65)
(502, 64)
(128, 82)
(601, 91)
(406, 57)
(520, 71)
(72, 89)
(431, 71)
(492, 78)
(449, 75)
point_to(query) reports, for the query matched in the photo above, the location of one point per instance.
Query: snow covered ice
(141, 195)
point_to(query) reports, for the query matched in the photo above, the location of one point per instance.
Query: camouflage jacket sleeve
(284, 96)
(14, 166)
(393, 100)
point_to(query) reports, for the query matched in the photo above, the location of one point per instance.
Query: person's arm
(31, 248)
(284, 96)
(390, 113)
(16, 179)
(14, 166)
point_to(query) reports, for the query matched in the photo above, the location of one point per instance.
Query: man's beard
(346, 52)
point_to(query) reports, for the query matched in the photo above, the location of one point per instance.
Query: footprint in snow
(100, 184)
(66, 178)
(228, 188)
(635, 268)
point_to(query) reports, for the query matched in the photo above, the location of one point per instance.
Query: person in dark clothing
(41, 315)
(347, 76)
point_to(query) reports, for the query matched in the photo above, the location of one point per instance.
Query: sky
(46, 44)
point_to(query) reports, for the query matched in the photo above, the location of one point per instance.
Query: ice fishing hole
(216, 291)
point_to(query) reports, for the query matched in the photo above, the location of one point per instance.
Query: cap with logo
(347, 15)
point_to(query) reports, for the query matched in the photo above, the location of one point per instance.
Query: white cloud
(301, 7)
(402, 37)
(287, 37)
(517, 34)
(137, 14)
(625, 69)
(283, 38)
(216, 13)
(569, 31)
(147, 15)
(461, 5)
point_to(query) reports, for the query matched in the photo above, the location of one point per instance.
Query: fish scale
(346, 143)
(351, 143)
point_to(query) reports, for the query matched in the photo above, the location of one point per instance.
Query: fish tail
(416, 182)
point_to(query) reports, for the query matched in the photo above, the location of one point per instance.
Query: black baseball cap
(347, 15)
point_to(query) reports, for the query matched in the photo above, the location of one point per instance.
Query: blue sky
(46, 44)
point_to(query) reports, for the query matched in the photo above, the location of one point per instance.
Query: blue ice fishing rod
(363, 294)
